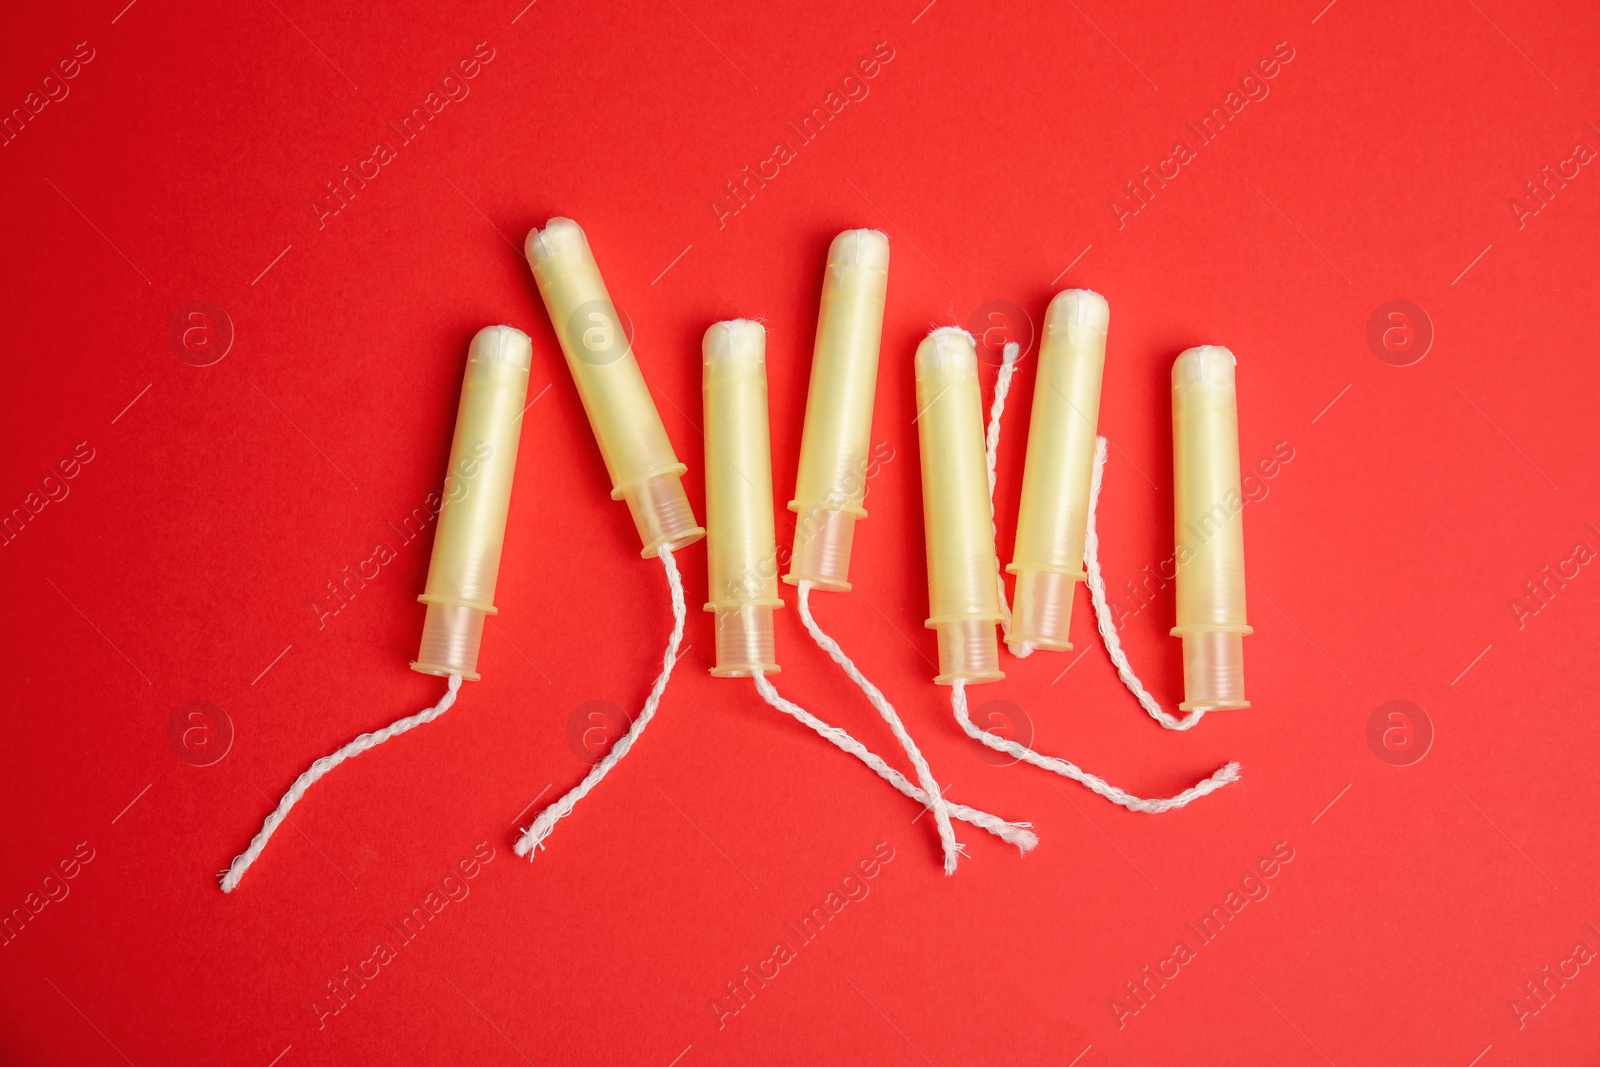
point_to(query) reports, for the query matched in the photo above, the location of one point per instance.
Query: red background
(1384, 559)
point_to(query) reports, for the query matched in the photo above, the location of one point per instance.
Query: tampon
(742, 569)
(741, 553)
(466, 553)
(477, 495)
(832, 481)
(957, 525)
(638, 456)
(1208, 514)
(1054, 512)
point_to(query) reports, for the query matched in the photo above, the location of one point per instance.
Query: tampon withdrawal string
(886, 711)
(534, 835)
(831, 481)
(741, 553)
(467, 545)
(1019, 834)
(235, 872)
(644, 470)
(991, 454)
(1103, 618)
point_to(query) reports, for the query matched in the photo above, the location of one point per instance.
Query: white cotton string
(533, 837)
(930, 784)
(1102, 609)
(1002, 388)
(1226, 774)
(1016, 833)
(242, 862)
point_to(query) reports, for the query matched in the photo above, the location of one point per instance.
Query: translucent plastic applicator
(950, 357)
(831, 485)
(742, 555)
(1053, 515)
(466, 549)
(957, 526)
(627, 427)
(477, 497)
(638, 456)
(1208, 514)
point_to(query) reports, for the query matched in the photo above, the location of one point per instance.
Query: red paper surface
(1411, 901)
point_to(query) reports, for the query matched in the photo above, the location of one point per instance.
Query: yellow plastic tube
(1208, 513)
(1054, 512)
(741, 553)
(638, 456)
(832, 482)
(477, 495)
(957, 525)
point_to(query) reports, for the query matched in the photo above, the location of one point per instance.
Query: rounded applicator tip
(735, 339)
(947, 348)
(860, 248)
(1204, 365)
(558, 235)
(1079, 307)
(502, 344)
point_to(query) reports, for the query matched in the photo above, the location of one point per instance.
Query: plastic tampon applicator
(832, 482)
(1208, 513)
(477, 496)
(1054, 511)
(638, 456)
(742, 554)
(959, 532)
(466, 549)
(627, 427)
